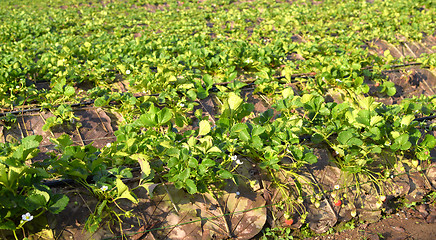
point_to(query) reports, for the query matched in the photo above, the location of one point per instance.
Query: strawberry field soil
(217, 119)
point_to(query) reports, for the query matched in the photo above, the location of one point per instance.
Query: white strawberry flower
(337, 187)
(248, 60)
(235, 158)
(127, 72)
(104, 188)
(27, 217)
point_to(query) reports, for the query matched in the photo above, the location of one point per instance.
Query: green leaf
(429, 141)
(128, 195)
(36, 199)
(234, 101)
(244, 135)
(208, 163)
(180, 120)
(241, 130)
(101, 207)
(239, 127)
(317, 138)
(324, 111)
(306, 98)
(344, 136)
(287, 92)
(192, 94)
(69, 91)
(184, 175)
(356, 66)
(390, 91)
(376, 132)
(7, 225)
(31, 141)
(347, 138)
(62, 141)
(375, 119)
(143, 163)
(149, 187)
(146, 120)
(363, 117)
(193, 163)
(191, 187)
(310, 158)
(376, 149)
(121, 68)
(403, 139)
(406, 120)
(262, 74)
(368, 103)
(208, 81)
(257, 130)
(202, 93)
(123, 191)
(204, 127)
(224, 174)
(401, 143)
(58, 203)
(163, 116)
(257, 142)
(232, 76)
(121, 187)
(173, 152)
(100, 102)
(354, 141)
(214, 149)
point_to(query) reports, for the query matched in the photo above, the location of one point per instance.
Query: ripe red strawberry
(377, 84)
(289, 221)
(338, 203)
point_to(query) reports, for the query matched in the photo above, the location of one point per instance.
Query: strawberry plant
(63, 116)
(24, 197)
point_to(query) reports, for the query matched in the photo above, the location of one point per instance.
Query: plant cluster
(174, 54)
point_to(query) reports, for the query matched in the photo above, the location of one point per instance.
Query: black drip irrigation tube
(422, 119)
(75, 105)
(68, 182)
(42, 108)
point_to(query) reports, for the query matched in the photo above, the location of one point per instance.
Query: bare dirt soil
(416, 223)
